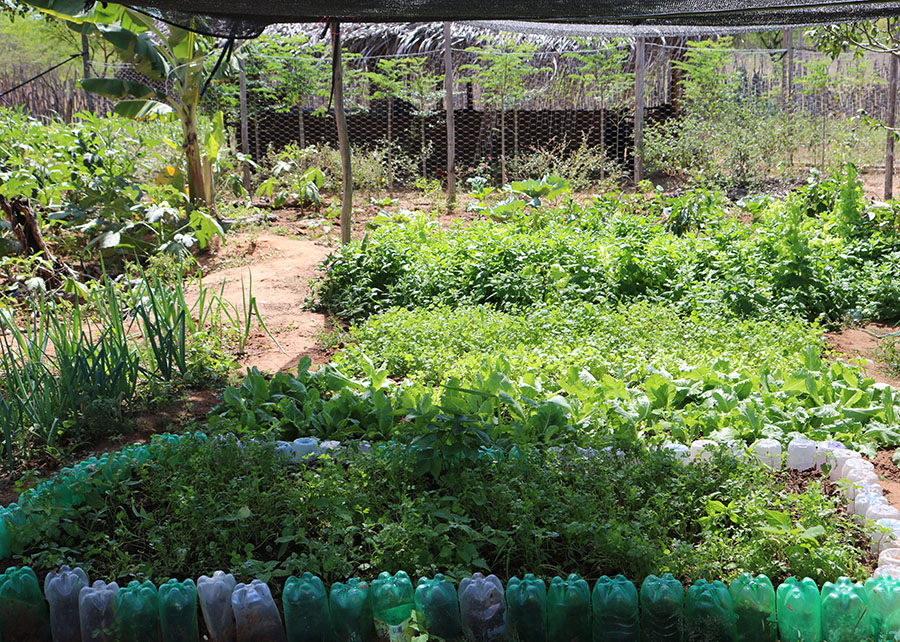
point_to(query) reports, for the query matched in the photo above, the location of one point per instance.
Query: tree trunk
(390, 151)
(301, 130)
(27, 231)
(516, 133)
(602, 142)
(200, 188)
(424, 159)
(503, 146)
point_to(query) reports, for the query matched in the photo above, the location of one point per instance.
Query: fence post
(86, 69)
(451, 124)
(638, 110)
(891, 123)
(787, 67)
(245, 130)
(343, 139)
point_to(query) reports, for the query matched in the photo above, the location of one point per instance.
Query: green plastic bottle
(137, 612)
(615, 606)
(662, 609)
(844, 608)
(24, 615)
(754, 606)
(709, 613)
(799, 610)
(178, 611)
(526, 608)
(569, 610)
(306, 609)
(883, 597)
(438, 604)
(393, 601)
(351, 611)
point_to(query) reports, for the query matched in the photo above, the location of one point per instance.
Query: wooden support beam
(451, 124)
(343, 137)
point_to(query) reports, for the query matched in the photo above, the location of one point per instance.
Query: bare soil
(279, 270)
(858, 343)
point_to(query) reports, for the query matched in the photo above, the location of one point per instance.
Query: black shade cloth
(247, 16)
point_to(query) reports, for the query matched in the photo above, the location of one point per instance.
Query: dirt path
(280, 269)
(854, 343)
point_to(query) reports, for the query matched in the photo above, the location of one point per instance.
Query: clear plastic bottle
(526, 605)
(137, 612)
(215, 604)
(61, 590)
(569, 610)
(23, 611)
(754, 608)
(482, 607)
(662, 609)
(799, 610)
(844, 611)
(768, 453)
(615, 606)
(306, 615)
(437, 601)
(97, 611)
(256, 617)
(178, 611)
(709, 613)
(801, 454)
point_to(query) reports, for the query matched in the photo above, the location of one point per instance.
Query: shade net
(246, 18)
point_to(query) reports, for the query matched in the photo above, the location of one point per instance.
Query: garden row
(391, 609)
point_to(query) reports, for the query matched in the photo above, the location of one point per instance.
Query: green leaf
(117, 88)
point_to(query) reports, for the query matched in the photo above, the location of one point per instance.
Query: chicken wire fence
(735, 115)
(524, 108)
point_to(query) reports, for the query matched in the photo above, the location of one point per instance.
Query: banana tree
(170, 57)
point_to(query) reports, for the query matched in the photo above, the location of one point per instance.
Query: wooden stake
(451, 125)
(638, 110)
(343, 138)
(891, 122)
(245, 130)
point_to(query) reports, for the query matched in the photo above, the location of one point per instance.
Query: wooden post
(343, 138)
(245, 129)
(638, 110)
(451, 125)
(787, 68)
(891, 123)
(86, 68)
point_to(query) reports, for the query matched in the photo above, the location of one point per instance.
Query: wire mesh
(566, 107)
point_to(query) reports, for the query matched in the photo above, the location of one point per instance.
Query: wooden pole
(86, 68)
(343, 139)
(790, 65)
(451, 125)
(891, 122)
(245, 129)
(638, 110)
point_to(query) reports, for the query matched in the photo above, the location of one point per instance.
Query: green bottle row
(391, 609)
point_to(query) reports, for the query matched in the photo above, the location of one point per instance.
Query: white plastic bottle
(801, 454)
(62, 590)
(256, 617)
(768, 453)
(703, 449)
(97, 611)
(215, 604)
(840, 458)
